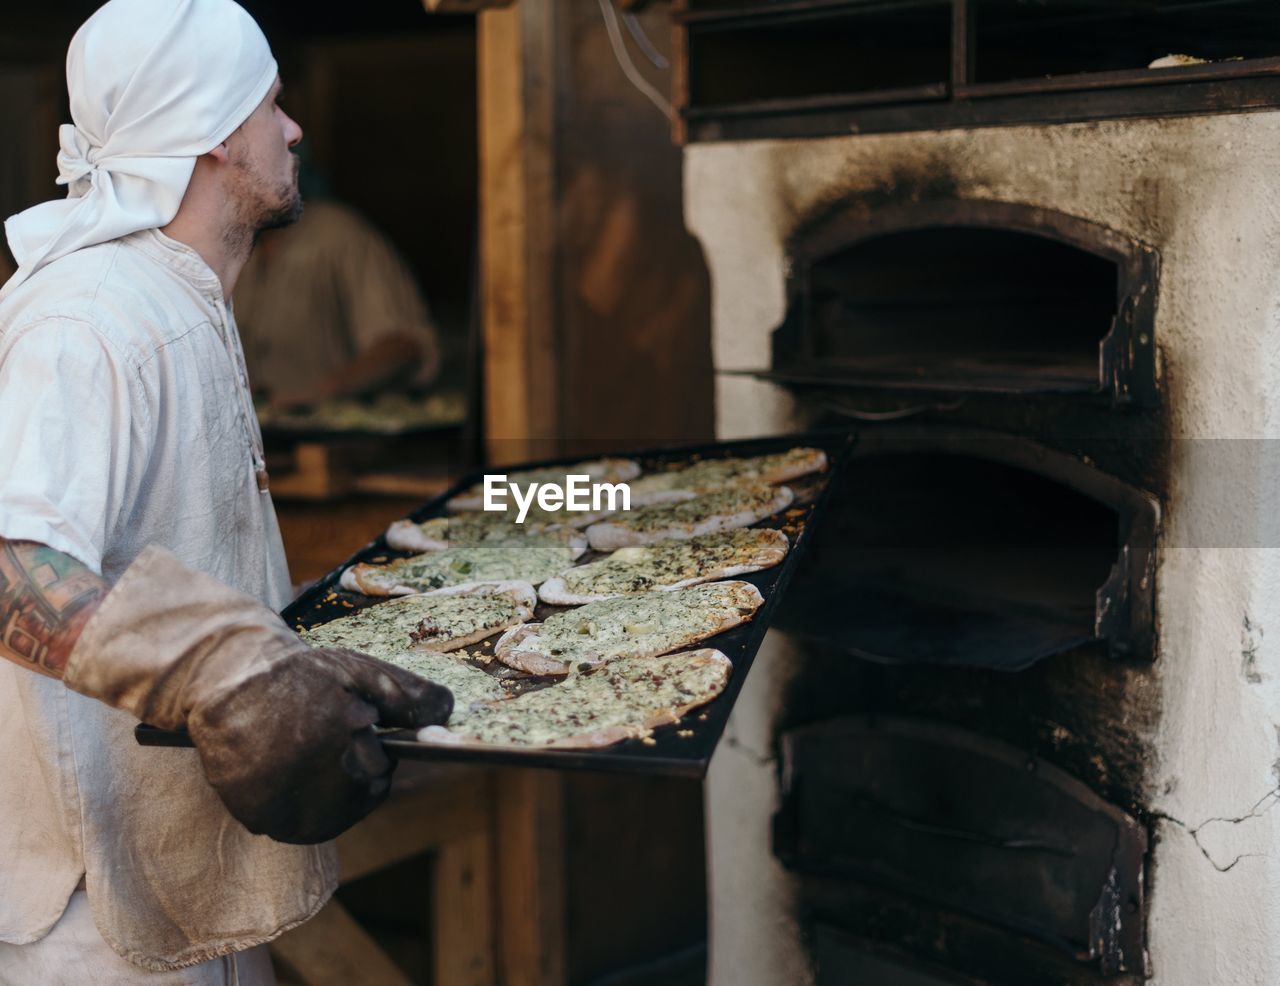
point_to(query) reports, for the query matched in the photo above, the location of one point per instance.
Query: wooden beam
(516, 88)
(462, 911)
(451, 816)
(320, 472)
(427, 820)
(530, 878)
(810, 118)
(963, 36)
(333, 950)
(680, 69)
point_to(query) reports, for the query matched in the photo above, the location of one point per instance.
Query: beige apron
(125, 421)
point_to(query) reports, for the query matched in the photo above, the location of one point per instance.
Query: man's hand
(285, 732)
(292, 752)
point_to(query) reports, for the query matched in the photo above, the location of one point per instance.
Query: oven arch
(884, 583)
(1113, 356)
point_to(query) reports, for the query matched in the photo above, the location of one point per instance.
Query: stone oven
(1019, 722)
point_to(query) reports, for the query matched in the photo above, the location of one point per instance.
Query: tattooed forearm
(46, 598)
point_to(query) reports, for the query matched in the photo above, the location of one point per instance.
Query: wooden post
(451, 816)
(679, 72)
(962, 45)
(333, 950)
(461, 917)
(530, 878)
(518, 229)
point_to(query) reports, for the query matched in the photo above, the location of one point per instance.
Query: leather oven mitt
(284, 731)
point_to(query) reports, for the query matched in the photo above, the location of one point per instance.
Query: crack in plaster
(1270, 800)
(757, 757)
(1250, 642)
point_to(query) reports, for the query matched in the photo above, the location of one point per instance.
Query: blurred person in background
(328, 309)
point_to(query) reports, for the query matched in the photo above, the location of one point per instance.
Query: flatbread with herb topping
(667, 565)
(595, 708)
(442, 621)
(470, 686)
(440, 533)
(531, 560)
(725, 509)
(596, 470)
(644, 625)
(713, 474)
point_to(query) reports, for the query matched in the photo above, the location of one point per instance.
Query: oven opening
(966, 296)
(944, 558)
(911, 813)
(970, 308)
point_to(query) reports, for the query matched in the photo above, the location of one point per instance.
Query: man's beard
(286, 215)
(256, 213)
(287, 208)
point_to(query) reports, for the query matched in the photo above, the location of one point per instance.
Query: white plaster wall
(1206, 193)
(753, 929)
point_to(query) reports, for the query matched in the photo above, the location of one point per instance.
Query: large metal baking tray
(683, 749)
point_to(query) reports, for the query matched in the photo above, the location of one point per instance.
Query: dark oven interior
(983, 551)
(962, 781)
(970, 297)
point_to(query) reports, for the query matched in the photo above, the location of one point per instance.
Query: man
(329, 309)
(140, 562)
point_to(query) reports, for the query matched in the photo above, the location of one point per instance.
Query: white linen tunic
(125, 421)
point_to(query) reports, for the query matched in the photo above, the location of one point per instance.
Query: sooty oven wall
(959, 560)
(1180, 733)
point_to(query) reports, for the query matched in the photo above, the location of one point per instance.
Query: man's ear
(220, 153)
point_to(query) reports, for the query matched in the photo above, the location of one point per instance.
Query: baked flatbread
(596, 470)
(531, 560)
(470, 685)
(439, 533)
(666, 565)
(595, 708)
(629, 626)
(714, 474)
(552, 519)
(442, 621)
(735, 506)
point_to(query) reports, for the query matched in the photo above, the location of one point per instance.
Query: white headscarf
(153, 85)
